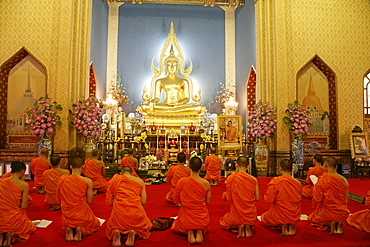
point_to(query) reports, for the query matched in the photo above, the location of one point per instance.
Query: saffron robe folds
(127, 162)
(212, 165)
(240, 191)
(284, 193)
(93, 171)
(307, 189)
(174, 174)
(193, 212)
(361, 220)
(38, 166)
(51, 178)
(128, 213)
(329, 201)
(71, 193)
(13, 217)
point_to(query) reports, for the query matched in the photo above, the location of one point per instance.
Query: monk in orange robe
(175, 173)
(130, 161)
(317, 171)
(194, 194)
(284, 193)
(95, 170)
(74, 193)
(330, 196)
(243, 192)
(38, 166)
(212, 165)
(8, 175)
(361, 220)
(14, 222)
(51, 178)
(127, 195)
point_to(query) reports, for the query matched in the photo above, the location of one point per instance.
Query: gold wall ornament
(212, 3)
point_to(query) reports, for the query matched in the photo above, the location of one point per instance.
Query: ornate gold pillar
(112, 43)
(273, 82)
(230, 71)
(72, 72)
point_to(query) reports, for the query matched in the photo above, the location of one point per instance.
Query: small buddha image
(175, 89)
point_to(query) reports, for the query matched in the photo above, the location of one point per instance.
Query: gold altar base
(172, 121)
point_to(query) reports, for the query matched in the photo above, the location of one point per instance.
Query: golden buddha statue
(171, 96)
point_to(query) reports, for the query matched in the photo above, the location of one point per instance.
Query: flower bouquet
(87, 114)
(262, 120)
(43, 116)
(298, 119)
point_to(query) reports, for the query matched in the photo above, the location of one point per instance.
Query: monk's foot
(40, 190)
(284, 230)
(248, 231)
(78, 236)
(116, 239)
(292, 231)
(8, 239)
(131, 238)
(54, 208)
(339, 227)
(191, 237)
(333, 229)
(95, 192)
(2, 237)
(69, 234)
(199, 237)
(178, 205)
(241, 230)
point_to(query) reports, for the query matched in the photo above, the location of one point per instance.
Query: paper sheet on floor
(101, 221)
(42, 223)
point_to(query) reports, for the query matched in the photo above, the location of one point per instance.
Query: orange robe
(51, 178)
(128, 213)
(174, 174)
(8, 175)
(127, 162)
(93, 171)
(13, 218)
(212, 165)
(71, 193)
(361, 220)
(193, 213)
(329, 201)
(240, 191)
(284, 193)
(38, 166)
(307, 189)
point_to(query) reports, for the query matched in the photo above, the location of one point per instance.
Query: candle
(157, 141)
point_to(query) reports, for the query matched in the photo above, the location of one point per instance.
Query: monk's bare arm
(25, 189)
(89, 192)
(208, 195)
(257, 191)
(143, 195)
(102, 166)
(136, 163)
(270, 193)
(346, 194)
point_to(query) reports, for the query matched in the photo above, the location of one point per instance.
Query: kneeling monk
(95, 170)
(212, 165)
(330, 195)
(127, 195)
(242, 191)
(13, 202)
(361, 220)
(284, 193)
(8, 175)
(51, 178)
(130, 161)
(74, 192)
(194, 194)
(38, 166)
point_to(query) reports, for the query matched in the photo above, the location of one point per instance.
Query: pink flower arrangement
(358, 159)
(87, 114)
(298, 119)
(43, 116)
(159, 155)
(262, 120)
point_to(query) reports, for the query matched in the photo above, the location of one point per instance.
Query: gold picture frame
(359, 145)
(229, 132)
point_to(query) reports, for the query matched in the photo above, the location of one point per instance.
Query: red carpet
(53, 235)
(359, 186)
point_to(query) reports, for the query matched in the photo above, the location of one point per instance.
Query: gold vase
(261, 157)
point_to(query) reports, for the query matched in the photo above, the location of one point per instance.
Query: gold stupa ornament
(171, 94)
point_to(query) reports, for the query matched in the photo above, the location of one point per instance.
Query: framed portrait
(359, 145)
(229, 132)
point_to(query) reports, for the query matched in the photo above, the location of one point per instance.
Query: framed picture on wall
(359, 145)
(229, 132)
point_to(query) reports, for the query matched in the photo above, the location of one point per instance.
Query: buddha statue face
(171, 65)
